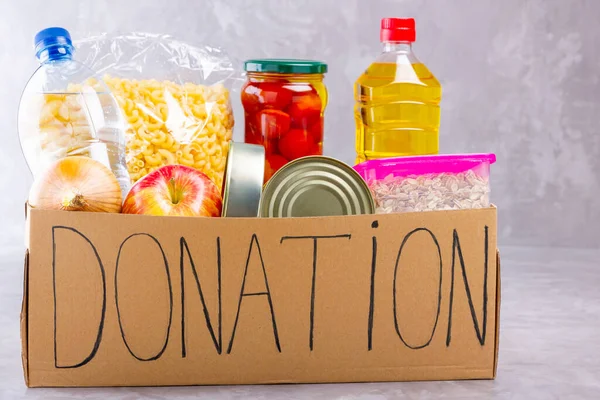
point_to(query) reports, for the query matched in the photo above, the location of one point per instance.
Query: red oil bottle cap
(397, 30)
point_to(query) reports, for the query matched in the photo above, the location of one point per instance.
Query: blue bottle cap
(51, 37)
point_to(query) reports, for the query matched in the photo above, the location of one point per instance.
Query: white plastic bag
(175, 98)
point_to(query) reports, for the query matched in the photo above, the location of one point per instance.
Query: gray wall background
(520, 78)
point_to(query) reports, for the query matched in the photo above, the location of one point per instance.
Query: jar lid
(285, 66)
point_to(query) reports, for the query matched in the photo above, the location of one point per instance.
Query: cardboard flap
(24, 309)
(498, 295)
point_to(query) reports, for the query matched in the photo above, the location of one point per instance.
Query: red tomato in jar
(295, 144)
(251, 133)
(299, 87)
(302, 122)
(250, 97)
(272, 123)
(256, 96)
(271, 146)
(305, 109)
(272, 164)
(316, 130)
(315, 150)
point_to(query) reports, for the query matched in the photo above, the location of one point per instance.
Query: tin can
(316, 186)
(243, 179)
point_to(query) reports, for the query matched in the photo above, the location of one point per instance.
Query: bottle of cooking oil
(397, 99)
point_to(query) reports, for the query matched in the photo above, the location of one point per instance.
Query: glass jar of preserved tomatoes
(284, 101)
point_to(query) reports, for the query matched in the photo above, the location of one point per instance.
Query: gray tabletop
(549, 342)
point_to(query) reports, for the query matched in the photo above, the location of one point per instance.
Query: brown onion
(76, 184)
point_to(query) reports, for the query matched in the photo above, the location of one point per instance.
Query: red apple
(174, 190)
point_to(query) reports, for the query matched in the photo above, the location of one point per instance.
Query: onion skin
(77, 184)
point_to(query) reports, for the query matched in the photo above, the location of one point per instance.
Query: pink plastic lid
(420, 165)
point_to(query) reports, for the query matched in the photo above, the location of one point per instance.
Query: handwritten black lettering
(168, 330)
(457, 249)
(267, 293)
(374, 225)
(98, 340)
(314, 272)
(217, 342)
(439, 297)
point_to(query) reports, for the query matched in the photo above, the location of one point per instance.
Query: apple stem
(173, 192)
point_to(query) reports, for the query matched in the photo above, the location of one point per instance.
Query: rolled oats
(430, 192)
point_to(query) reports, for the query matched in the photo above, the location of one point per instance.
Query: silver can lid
(316, 186)
(242, 184)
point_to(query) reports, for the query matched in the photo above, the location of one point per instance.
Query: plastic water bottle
(67, 110)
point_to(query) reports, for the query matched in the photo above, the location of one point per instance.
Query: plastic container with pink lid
(428, 183)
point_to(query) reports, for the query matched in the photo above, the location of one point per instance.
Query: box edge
(482, 376)
(24, 320)
(498, 296)
(24, 315)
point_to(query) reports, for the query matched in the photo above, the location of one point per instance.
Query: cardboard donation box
(127, 300)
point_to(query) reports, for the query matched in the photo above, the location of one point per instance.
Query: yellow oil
(397, 111)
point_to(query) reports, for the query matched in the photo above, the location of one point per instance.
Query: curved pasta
(198, 137)
(201, 141)
(168, 156)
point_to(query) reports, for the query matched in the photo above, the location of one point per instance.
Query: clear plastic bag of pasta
(175, 98)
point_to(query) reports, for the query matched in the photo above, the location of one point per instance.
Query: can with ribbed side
(242, 183)
(316, 186)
